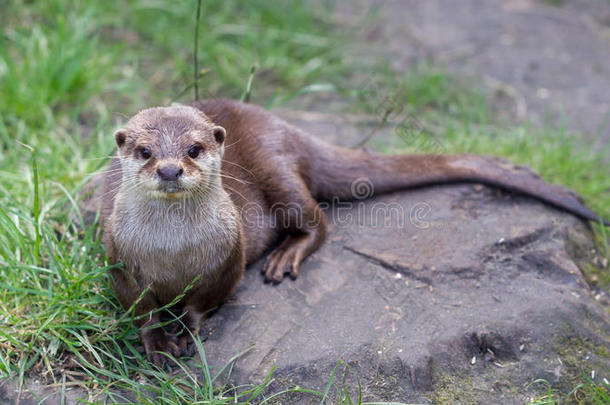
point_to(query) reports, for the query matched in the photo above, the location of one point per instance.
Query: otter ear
(219, 134)
(120, 137)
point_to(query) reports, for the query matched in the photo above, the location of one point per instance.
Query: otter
(195, 193)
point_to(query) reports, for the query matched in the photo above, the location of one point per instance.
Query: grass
(587, 392)
(432, 112)
(65, 69)
(70, 70)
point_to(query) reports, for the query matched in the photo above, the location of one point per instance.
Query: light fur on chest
(173, 241)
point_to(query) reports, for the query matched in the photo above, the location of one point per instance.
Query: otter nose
(169, 172)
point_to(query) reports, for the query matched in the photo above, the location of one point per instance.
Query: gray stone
(411, 287)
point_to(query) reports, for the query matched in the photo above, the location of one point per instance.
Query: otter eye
(195, 151)
(145, 153)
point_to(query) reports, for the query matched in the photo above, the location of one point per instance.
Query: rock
(410, 288)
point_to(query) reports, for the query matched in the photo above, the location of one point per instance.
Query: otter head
(169, 152)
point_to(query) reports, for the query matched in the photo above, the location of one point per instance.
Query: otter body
(197, 192)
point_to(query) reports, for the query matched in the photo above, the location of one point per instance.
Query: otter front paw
(285, 259)
(156, 341)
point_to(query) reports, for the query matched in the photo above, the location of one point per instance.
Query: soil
(550, 57)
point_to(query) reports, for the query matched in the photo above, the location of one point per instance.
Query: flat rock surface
(416, 287)
(552, 57)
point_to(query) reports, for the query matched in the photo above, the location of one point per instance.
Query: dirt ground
(552, 57)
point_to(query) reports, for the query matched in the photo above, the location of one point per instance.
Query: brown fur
(267, 166)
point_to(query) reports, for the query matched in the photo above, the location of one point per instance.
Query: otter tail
(347, 174)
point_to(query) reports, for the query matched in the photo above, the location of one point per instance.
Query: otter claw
(281, 261)
(156, 342)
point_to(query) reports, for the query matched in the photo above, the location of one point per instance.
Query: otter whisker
(225, 176)
(240, 166)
